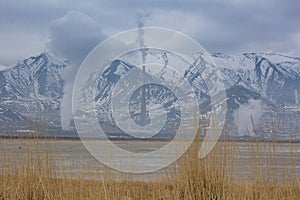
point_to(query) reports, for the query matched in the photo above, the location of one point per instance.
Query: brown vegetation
(37, 174)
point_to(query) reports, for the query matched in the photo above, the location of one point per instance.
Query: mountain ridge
(36, 83)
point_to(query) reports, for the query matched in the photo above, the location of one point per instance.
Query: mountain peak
(47, 58)
(220, 55)
(35, 83)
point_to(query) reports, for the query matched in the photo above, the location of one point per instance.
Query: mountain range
(263, 85)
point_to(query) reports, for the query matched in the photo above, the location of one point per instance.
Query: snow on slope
(33, 85)
(272, 80)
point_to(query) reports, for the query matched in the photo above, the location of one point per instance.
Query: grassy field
(40, 173)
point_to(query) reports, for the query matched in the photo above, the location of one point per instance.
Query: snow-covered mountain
(33, 86)
(105, 84)
(265, 86)
(274, 77)
(257, 84)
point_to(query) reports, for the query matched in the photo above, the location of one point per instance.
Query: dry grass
(40, 173)
(34, 175)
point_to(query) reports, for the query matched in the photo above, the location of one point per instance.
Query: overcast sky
(72, 28)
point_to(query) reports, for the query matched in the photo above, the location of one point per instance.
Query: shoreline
(59, 138)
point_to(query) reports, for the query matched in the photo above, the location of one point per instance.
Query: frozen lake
(244, 158)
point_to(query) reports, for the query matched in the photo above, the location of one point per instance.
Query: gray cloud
(227, 26)
(235, 26)
(15, 46)
(74, 35)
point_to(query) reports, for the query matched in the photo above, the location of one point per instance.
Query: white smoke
(140, 25)
(243, 115)
(73, 36)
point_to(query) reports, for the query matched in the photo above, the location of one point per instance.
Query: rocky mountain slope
(257, 84)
